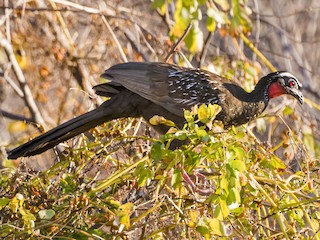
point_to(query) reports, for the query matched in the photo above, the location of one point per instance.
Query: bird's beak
(296, 93)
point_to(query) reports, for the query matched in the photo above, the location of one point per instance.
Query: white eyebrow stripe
(287, 74)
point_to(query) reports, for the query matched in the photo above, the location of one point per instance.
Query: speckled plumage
(147, 89)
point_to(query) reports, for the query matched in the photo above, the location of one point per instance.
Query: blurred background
(53, 51)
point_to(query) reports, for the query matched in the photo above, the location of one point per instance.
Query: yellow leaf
(22, 61)
(216, 227)
(124, 213)
(193, 218)
(157, 120)
(17, 127)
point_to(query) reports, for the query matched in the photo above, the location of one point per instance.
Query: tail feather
(60, 133)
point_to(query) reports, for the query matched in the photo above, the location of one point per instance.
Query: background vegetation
(121, 180)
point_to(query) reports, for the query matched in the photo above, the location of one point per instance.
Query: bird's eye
(292, 84)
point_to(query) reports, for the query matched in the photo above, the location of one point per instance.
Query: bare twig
(257, 34)
(83, 8)
(177, 44)
(7, 19)
(124, 58)
(205, 48)
(134, 43)
(12, 116)
(11, 82)
(146, 42)
(185, 58)
(256, 51)
(28, 98)
(64, 27)
(79, 70)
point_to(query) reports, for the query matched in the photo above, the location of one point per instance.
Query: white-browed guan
(146, 89)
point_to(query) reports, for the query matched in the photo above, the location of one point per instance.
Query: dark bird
(146, 89)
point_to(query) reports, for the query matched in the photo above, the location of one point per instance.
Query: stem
(256, 51)
(108, 181)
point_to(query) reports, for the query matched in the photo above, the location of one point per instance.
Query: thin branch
(107, 13)
(135, 46)
(28, 98)
(184, 58)
(257, 34)
(64, 27)
(15, 87)
(7, 13)
(17, 117)
(177, 44)
(256, 51)
(146, 42)
(124, 58)
(205, 48)
(84, 8)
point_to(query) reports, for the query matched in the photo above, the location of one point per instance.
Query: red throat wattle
(275, 90)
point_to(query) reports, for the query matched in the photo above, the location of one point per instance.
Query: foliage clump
(237, 188)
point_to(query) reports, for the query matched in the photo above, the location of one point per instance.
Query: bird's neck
(261, 92)
(247, 106)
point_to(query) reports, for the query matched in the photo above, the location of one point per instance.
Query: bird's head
(284, 83)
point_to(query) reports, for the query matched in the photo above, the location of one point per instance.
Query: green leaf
(182, 18)
(240, 23)
(46, 214)
(68, 183)
(239, 135)
(224, 183)
(214, 109)
(273, 163)
(181, 135)
(3, 202)
(156, 151)
(222, 210)
(236, 153)
(297, 214)
(207, 113)
(188, 116)
(238, 165)
(144, 176)
(14, 204)
(193, 215)
(208, 227)
(124, 212)
(28, 219)
(233, 199)
(159, 4)
(201, 132)
(192, 160)
(238, 211)
(176, 178)
(216, 227)
(114, 203)
(217, 15)
(203, 230)
(194, 39)
(158, 120)
(203, 113)
(211, 24)
(196, 15)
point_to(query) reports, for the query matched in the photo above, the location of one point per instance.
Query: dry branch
(27, 95)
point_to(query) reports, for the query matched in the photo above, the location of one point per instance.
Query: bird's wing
(172, 87)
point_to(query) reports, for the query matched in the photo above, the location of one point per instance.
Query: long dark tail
(122, 104)
(60, 133)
